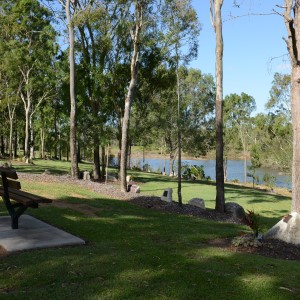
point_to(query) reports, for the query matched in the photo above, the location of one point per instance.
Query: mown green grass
(137, 253)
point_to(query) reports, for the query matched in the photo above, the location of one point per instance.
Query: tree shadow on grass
(135, 253)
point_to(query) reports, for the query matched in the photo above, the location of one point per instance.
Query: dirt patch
(185, 209)
(85, 209)
(270, 248)
(75, 195)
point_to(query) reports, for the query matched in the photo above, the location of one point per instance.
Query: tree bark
(55, 131)
(73, 154)
(129, 98)
(220, 194)
(31, 139)
(295, 97)
(26, 144)
(11, 113)
(2, 146)
(178, 133)
(104, 167)
(43, 144)
(293, 45)
(16, 144)
(97, 174)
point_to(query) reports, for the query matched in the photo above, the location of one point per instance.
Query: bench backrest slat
(12, 184)
(9, 172)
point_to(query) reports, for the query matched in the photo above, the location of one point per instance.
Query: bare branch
(212, 17)
(280, 6)
(231, 17)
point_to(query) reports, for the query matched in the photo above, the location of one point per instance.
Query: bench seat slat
(9, 172)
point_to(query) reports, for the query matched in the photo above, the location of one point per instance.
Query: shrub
(253, 221)
(193, 171)
(269, 180)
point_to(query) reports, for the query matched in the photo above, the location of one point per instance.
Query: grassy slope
(135, 253)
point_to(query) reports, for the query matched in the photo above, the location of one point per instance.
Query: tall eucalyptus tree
(216, 18)
(140, 11)
(292, 22)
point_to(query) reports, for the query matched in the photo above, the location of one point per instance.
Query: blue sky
(251, 45)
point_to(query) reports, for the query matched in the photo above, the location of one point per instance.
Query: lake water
(235, 169)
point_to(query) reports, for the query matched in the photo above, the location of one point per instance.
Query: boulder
(286, 230)
(167, 195)
(197, 202)
(128, 178)
(236, 210)
(135, 189)
(86, 175)
(47, 172)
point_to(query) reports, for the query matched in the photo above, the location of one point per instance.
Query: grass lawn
(136, 253)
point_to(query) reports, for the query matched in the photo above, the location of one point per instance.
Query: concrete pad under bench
(33, 234)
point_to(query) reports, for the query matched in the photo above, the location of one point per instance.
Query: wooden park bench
(15, 200)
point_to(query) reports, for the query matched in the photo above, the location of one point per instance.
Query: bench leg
(15, 217)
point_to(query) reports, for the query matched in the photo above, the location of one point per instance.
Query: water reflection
(235, 169)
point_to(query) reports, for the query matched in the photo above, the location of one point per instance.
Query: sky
(254, 48)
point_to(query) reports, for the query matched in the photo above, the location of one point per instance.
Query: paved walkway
(33, 234)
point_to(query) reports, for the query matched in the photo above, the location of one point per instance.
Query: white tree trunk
(129, 98)
(216, 7)
(73, 151)
(293, 45)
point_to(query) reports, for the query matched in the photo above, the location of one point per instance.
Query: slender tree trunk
(103, 161)
(43, 143)
(225, 168)
(16, 144)
(97, 174)
(2, 146)
(172, 161)
(31, 139)
(107, 161)
(26, 143)
(11, 113)
(78, 152)
(55, 132)
(125, 127)
(10, 138)
(220, 194)
(129, 98)
(129, 155)
(245, 166)
(178, 133)
(73, 154)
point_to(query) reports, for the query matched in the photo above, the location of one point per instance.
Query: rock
(135, 189)
(236, 210)
(86, 175)
(197, 202)
(286, 230)
(47, 172)
(167, 195)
